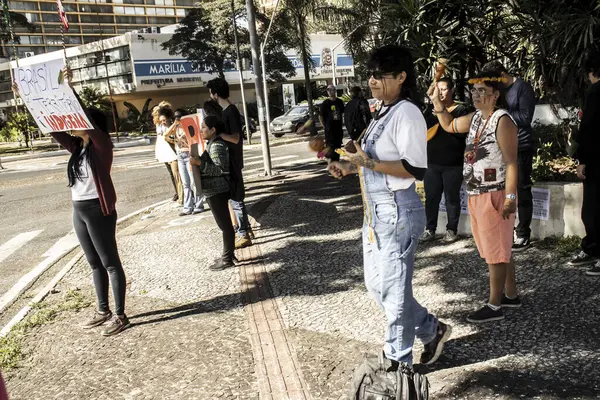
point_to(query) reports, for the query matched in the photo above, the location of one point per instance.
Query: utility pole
(260, 95)
(239, 66)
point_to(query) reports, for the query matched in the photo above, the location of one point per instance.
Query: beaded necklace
(470, 155)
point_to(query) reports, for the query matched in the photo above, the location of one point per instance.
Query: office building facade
(89, 20)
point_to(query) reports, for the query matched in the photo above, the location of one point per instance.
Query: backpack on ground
(372, 381)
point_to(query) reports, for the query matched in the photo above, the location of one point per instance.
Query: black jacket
(588, 151)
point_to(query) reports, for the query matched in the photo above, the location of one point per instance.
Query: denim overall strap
(371, 181)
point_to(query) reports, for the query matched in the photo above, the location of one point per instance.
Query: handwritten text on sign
(53, 106)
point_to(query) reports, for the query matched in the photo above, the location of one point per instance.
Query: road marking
(16, 243)
(44, 292)
(272, 159)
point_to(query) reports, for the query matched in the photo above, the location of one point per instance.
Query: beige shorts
(492, 233)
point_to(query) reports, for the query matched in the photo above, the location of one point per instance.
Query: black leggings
(219, 205)
(96, 234)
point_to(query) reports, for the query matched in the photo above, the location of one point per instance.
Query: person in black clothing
(231, 117)
(357, 114)
(445, 153)
(332, 110)
(588, 170)
(520, 102)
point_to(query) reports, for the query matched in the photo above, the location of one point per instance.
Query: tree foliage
(137, 120)
(19, 126)
(545, 42)
(206, 38)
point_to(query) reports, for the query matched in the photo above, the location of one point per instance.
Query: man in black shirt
(357, 114)
(445, 154)
(588, 170)
(219, 91)
(332, 110)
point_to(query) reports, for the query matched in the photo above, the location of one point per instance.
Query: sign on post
(52, 105)
(191, 126)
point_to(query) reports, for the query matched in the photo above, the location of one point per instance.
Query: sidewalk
(293, 319)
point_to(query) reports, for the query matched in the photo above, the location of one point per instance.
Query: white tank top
(484, 168)
(85, 187)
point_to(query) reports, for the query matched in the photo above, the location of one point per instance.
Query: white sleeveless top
(484, 168)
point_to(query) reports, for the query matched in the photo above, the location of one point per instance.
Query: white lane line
(272, 159)
(16, 243)
(253, 158)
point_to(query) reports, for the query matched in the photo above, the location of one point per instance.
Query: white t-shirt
(404, 137)
(163, 151)
(85, 187)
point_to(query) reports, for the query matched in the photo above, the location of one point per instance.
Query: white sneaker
(427, 236)
(450, 236)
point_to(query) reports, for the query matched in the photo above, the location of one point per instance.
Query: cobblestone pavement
(191, 338)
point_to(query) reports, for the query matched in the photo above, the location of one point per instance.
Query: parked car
(293, 120)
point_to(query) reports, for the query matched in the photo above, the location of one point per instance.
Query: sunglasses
(379, 75)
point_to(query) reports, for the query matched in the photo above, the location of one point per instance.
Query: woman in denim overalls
(391, 155)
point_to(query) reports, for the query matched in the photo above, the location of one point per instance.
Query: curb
(54, 153)
(41, 295)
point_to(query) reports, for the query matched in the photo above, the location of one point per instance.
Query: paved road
(35, 207)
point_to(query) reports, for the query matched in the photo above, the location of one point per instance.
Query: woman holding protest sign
(94, 214)
(214, 166)
(192, 203)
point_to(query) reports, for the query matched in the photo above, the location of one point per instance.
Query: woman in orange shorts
(490, 173)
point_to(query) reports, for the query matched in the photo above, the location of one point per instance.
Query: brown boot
(242, 241)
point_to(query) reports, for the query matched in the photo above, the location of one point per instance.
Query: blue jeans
(394, 221)
(190, 201)
(241, 216)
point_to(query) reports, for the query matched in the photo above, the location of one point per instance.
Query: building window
(95, 9)
(52, 7)
(161, 21)
(131, 20)
(56, 28)
(170, 11)
(125, 29)
(151, 10)
(186, 3)
(32, 17)
(50, 17)
(133, 1)
(119, 10)
(36, 40)
(95, 29)
(103, 19)
(181, 12)
(23, 5)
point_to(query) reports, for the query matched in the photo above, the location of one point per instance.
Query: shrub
(551, 162)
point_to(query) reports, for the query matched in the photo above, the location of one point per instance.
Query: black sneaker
(117, 325)
(594, 271)
(582, 259)
(220, 265)
(486, 314)
(433, 349)
(521, 244)
(97, 319)
(175, 198)
(510, 303)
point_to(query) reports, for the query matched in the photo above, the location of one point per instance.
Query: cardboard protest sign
(53, 105)
(191, 126)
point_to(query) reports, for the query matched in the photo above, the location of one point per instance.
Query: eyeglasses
(379, 75)
(479, 91)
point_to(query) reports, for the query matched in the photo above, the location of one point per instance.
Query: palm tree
(137, 120)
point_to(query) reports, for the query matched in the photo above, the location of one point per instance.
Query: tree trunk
(305, 62)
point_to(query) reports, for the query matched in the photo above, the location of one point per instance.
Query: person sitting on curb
(490, 171)
(214, 166)
(588, 170)
(444, 174)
